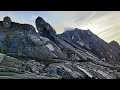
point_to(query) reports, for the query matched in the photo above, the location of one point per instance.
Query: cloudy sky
(106, 24)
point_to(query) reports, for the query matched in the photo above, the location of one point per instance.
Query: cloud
(103, 23)
(79, 19)
(68, 29)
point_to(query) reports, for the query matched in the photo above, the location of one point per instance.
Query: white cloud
(68, 29)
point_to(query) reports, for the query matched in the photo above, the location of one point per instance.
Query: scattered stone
(1, 57)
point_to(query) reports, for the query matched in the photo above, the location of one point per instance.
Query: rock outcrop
(6, 22)
(70, 51)
(92, 43)
(115, 44)
(80, 44)
(46, 30)
(13, 68)
(23, 40)
(26, 54)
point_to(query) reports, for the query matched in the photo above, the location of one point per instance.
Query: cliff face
(47, 55)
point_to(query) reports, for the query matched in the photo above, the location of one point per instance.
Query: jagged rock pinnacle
(114, 43)
(39, 22)
(45, 29)
(6, 22)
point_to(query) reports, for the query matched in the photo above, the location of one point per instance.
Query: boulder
(42, 26)
(34, 66)
(2, 56)
(6, 22)
(67, 71)
(45, 29)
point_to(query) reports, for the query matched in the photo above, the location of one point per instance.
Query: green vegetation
(4, 50)
(117, 69)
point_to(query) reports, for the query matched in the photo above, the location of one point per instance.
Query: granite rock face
(80, 44)
(82, 70)
(13, 68)
(23, 40)
(26, 54)
(70, 51)
(92, 43)
(46, 30)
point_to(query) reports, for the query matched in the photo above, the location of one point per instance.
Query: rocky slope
(26, 54)
(91, 42)
(13, 68)
(22, 40)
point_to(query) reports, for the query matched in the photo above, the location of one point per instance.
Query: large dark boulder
(46, 30)
(6, 22)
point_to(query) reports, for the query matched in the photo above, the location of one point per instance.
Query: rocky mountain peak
(43, 26)
(45, 29)
(40, 20)
(6, 22)
(115, 44)
(87, 32)
(78, 31)
(91, 42)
